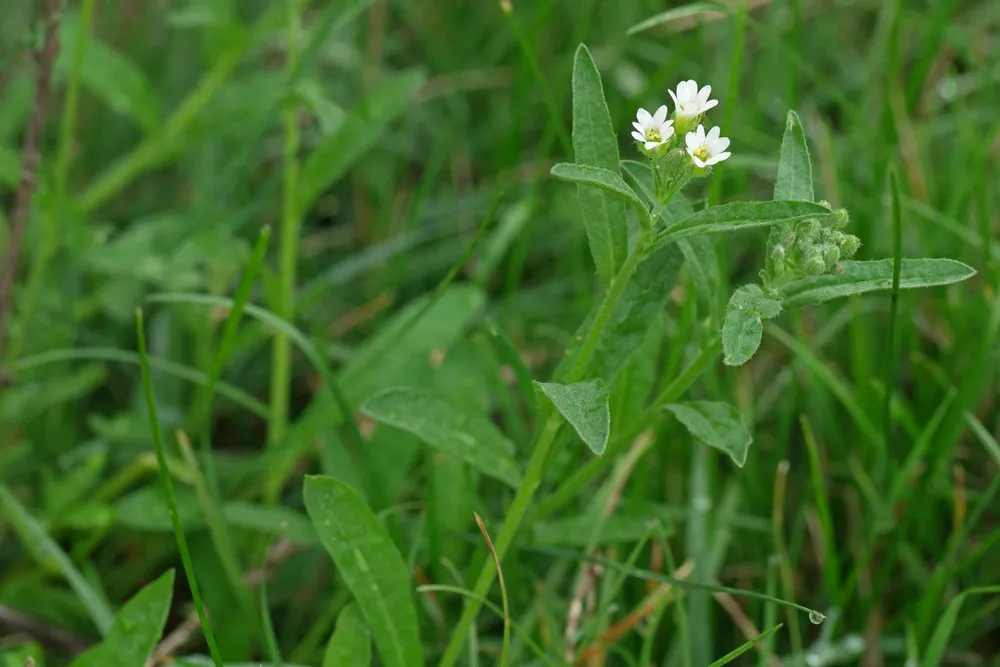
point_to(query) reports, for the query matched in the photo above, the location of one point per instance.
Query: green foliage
(370, 565)
(350, 645)
(595, 144)
(746, 311)
(585, 407)
(716, 424)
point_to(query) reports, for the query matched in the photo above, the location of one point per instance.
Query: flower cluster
(814, 247)
(658, 136)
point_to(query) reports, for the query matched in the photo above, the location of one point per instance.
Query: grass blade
(168, 489)
(942, 632)
(737, 652)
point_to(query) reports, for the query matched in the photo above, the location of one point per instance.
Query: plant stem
(540, 456)
(281, 359)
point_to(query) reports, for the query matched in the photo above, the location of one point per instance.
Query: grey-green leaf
(602, 179)
(716, 424)
(136, 630)
(861, 277)
(355, 135)
(370, 565)
(643, 297)
(738, 216)
(586, 406)
(742, 330)
(595, 145)
(794, 180)
(350, 645)
(443, 425)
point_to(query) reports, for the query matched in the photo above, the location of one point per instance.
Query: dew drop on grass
(816, 618)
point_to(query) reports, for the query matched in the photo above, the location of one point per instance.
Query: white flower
(653, 130)
(707, 149)
(690, 101)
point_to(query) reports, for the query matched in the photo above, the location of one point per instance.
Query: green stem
(281, 359)
(50, 230)
(540, 456)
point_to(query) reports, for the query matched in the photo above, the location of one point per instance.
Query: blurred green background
(417, 123)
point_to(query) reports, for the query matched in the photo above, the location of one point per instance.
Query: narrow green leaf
(676, 13)
(585, 405)
(794, 179)
(44, 550)
(356, 134)
(643, 297)
(136, 629)
(596, 145)
(350, 645)
(743, 328)
(370, 565)
(439, 423)
(942, 632)
(109, 75)
(716, 424)
(602, 179)
(861, 277)
(743, 648)
(738, 216)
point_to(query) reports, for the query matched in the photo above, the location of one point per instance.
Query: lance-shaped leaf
(861, 277)
(601, 179)
(794, 180)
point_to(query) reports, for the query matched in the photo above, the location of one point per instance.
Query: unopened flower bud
(815, 266)
(823, 202)
(840, 218)
(849, 245)
(831, 256)
(778, 254)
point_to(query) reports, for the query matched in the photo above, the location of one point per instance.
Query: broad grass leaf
(445, 426)
(602, 179)
(370, 565)
(44, 550)
(350, 645)
(643, 297)
(794, 179)
(716, 424)
(738, 216)
(743, 327)
(861, 277)
(109, 75)
(136, 630)
(355, 135)
(585, 405)
(596, 145)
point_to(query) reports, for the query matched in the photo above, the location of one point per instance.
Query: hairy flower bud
(849, 245)
(815, 266)
(831, 256)
(778, 254)
(840, 218)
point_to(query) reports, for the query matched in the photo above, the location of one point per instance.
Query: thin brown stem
(30, 157)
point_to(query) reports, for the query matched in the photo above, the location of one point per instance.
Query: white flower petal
(638, 136)
(720, 144)
(701, 133)
(704, 94)
(709, 105)
(661, 115)
(650, 145)
(638, 128)
(688, 90)
(644, 118)
(692, 141)
(673, 97)
(666, 132)
(697, 161)
(713, 134)
(715, 159)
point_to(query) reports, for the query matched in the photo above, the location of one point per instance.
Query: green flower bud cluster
(814, 246)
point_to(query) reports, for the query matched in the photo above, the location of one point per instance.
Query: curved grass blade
(942, 632)
(732, 655)
(370, 565)
(48, 553)
(862, 277)
(193, 375)
(662, 18)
